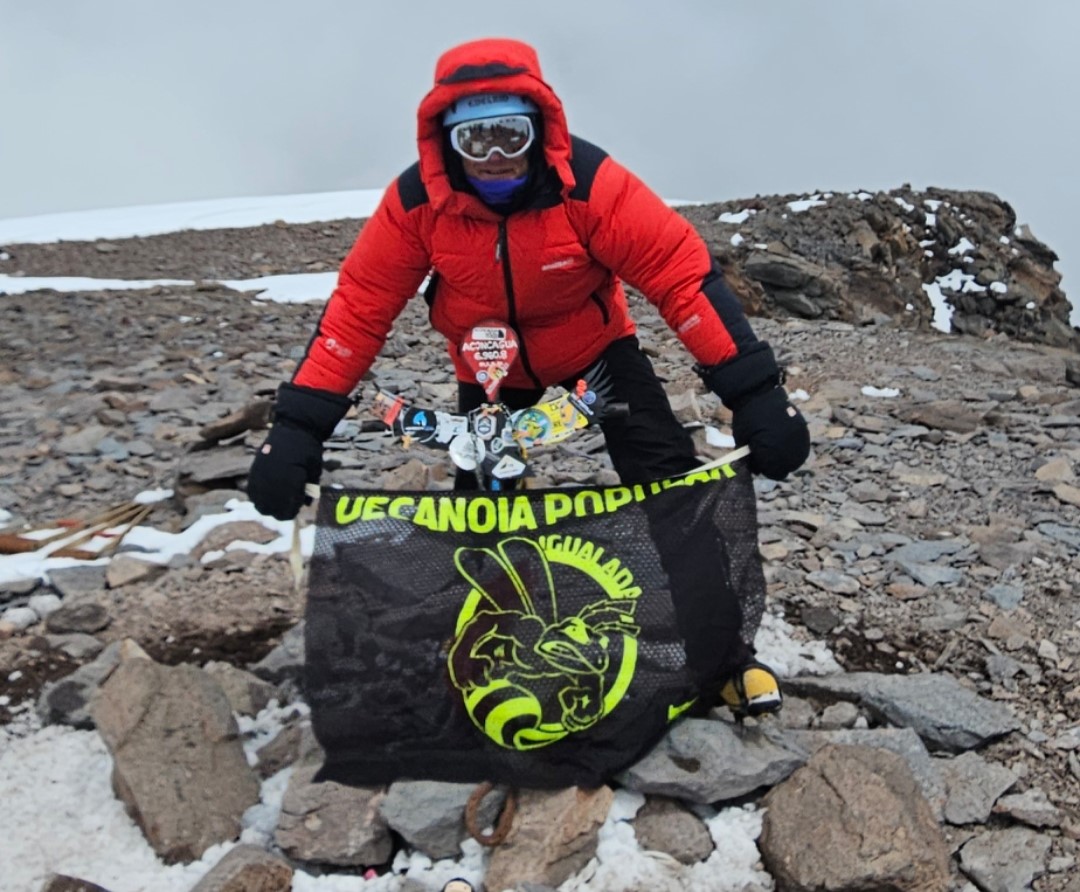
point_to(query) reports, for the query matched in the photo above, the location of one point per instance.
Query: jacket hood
(492, 65)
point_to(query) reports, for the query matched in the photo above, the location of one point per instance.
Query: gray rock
(838, 716)
(84, 616)
(286, 661)
(66, 701)
(430, 815)
(925, 551)
(1031, 807)
(664, 825)
(213, 466)
(706, 761)
(941, 711)
(930, 574)
(77, 645)
(834, 581)
(20, 618)
(72, 582)
(44, 605)
(1006, 596)
(1005, 860)
(18, 588)
(972, 787)
(58, 882)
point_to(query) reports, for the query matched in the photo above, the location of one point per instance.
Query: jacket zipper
(502, 255)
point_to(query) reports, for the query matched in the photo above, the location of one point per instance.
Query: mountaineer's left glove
(762, 417)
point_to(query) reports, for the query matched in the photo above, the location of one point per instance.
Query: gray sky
(118, 102)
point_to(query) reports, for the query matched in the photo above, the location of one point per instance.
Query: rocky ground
(936, 526)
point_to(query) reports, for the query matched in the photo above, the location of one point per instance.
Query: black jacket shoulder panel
(411, 189)
(584, 162)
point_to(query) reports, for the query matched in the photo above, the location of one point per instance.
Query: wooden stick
(13, 543)
(138, 518)
(111, 519)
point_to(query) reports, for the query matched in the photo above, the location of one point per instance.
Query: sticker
(467, 452)
(420, 424)
(490, 351)
(531, 426)
(486, 426)
(508, 468)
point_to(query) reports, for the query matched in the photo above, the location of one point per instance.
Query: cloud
(121, 102)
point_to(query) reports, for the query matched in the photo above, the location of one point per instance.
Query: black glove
(762, 417)
(291, 455)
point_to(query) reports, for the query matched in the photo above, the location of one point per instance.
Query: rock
(705, 761)
(126, 570)
(280, 752)
(1032, 807)
(72, 582)
(834, 581)
(1004, 860)
(235, 531)
(67, 700)
(972, 787)
(62, 883)
(949, 415)
(214, 466)
(902, 741)
(430, 815)
(944, 713)
(178, 764)
(553, 836)
(819, 620)
(253, 416)
(247, 693)
(853, 818)
(19, 618)
(247, 868)
(81, 616)
(664, 825)
(329, 823)
(286, 661)
(44, 605)
(77, 645)
(413, 475)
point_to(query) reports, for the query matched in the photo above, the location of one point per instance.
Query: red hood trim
(493, 65)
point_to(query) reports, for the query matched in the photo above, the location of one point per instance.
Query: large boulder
(853, 818)
(178, 763)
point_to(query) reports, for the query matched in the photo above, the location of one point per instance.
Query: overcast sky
(119, 102)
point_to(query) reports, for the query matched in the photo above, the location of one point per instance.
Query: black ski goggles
(509, 135)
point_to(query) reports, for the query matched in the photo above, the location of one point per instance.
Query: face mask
(497, 192)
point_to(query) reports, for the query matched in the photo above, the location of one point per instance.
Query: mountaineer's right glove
(762, 417)
(291, 455)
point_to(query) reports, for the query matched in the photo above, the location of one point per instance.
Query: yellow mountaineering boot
(753, 690)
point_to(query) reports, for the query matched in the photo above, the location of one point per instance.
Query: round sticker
(466, 451)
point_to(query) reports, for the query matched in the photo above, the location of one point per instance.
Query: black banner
(537, 638)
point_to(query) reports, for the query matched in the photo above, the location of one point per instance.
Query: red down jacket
(551, 269)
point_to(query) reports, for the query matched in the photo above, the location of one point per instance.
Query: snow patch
(735, 218)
